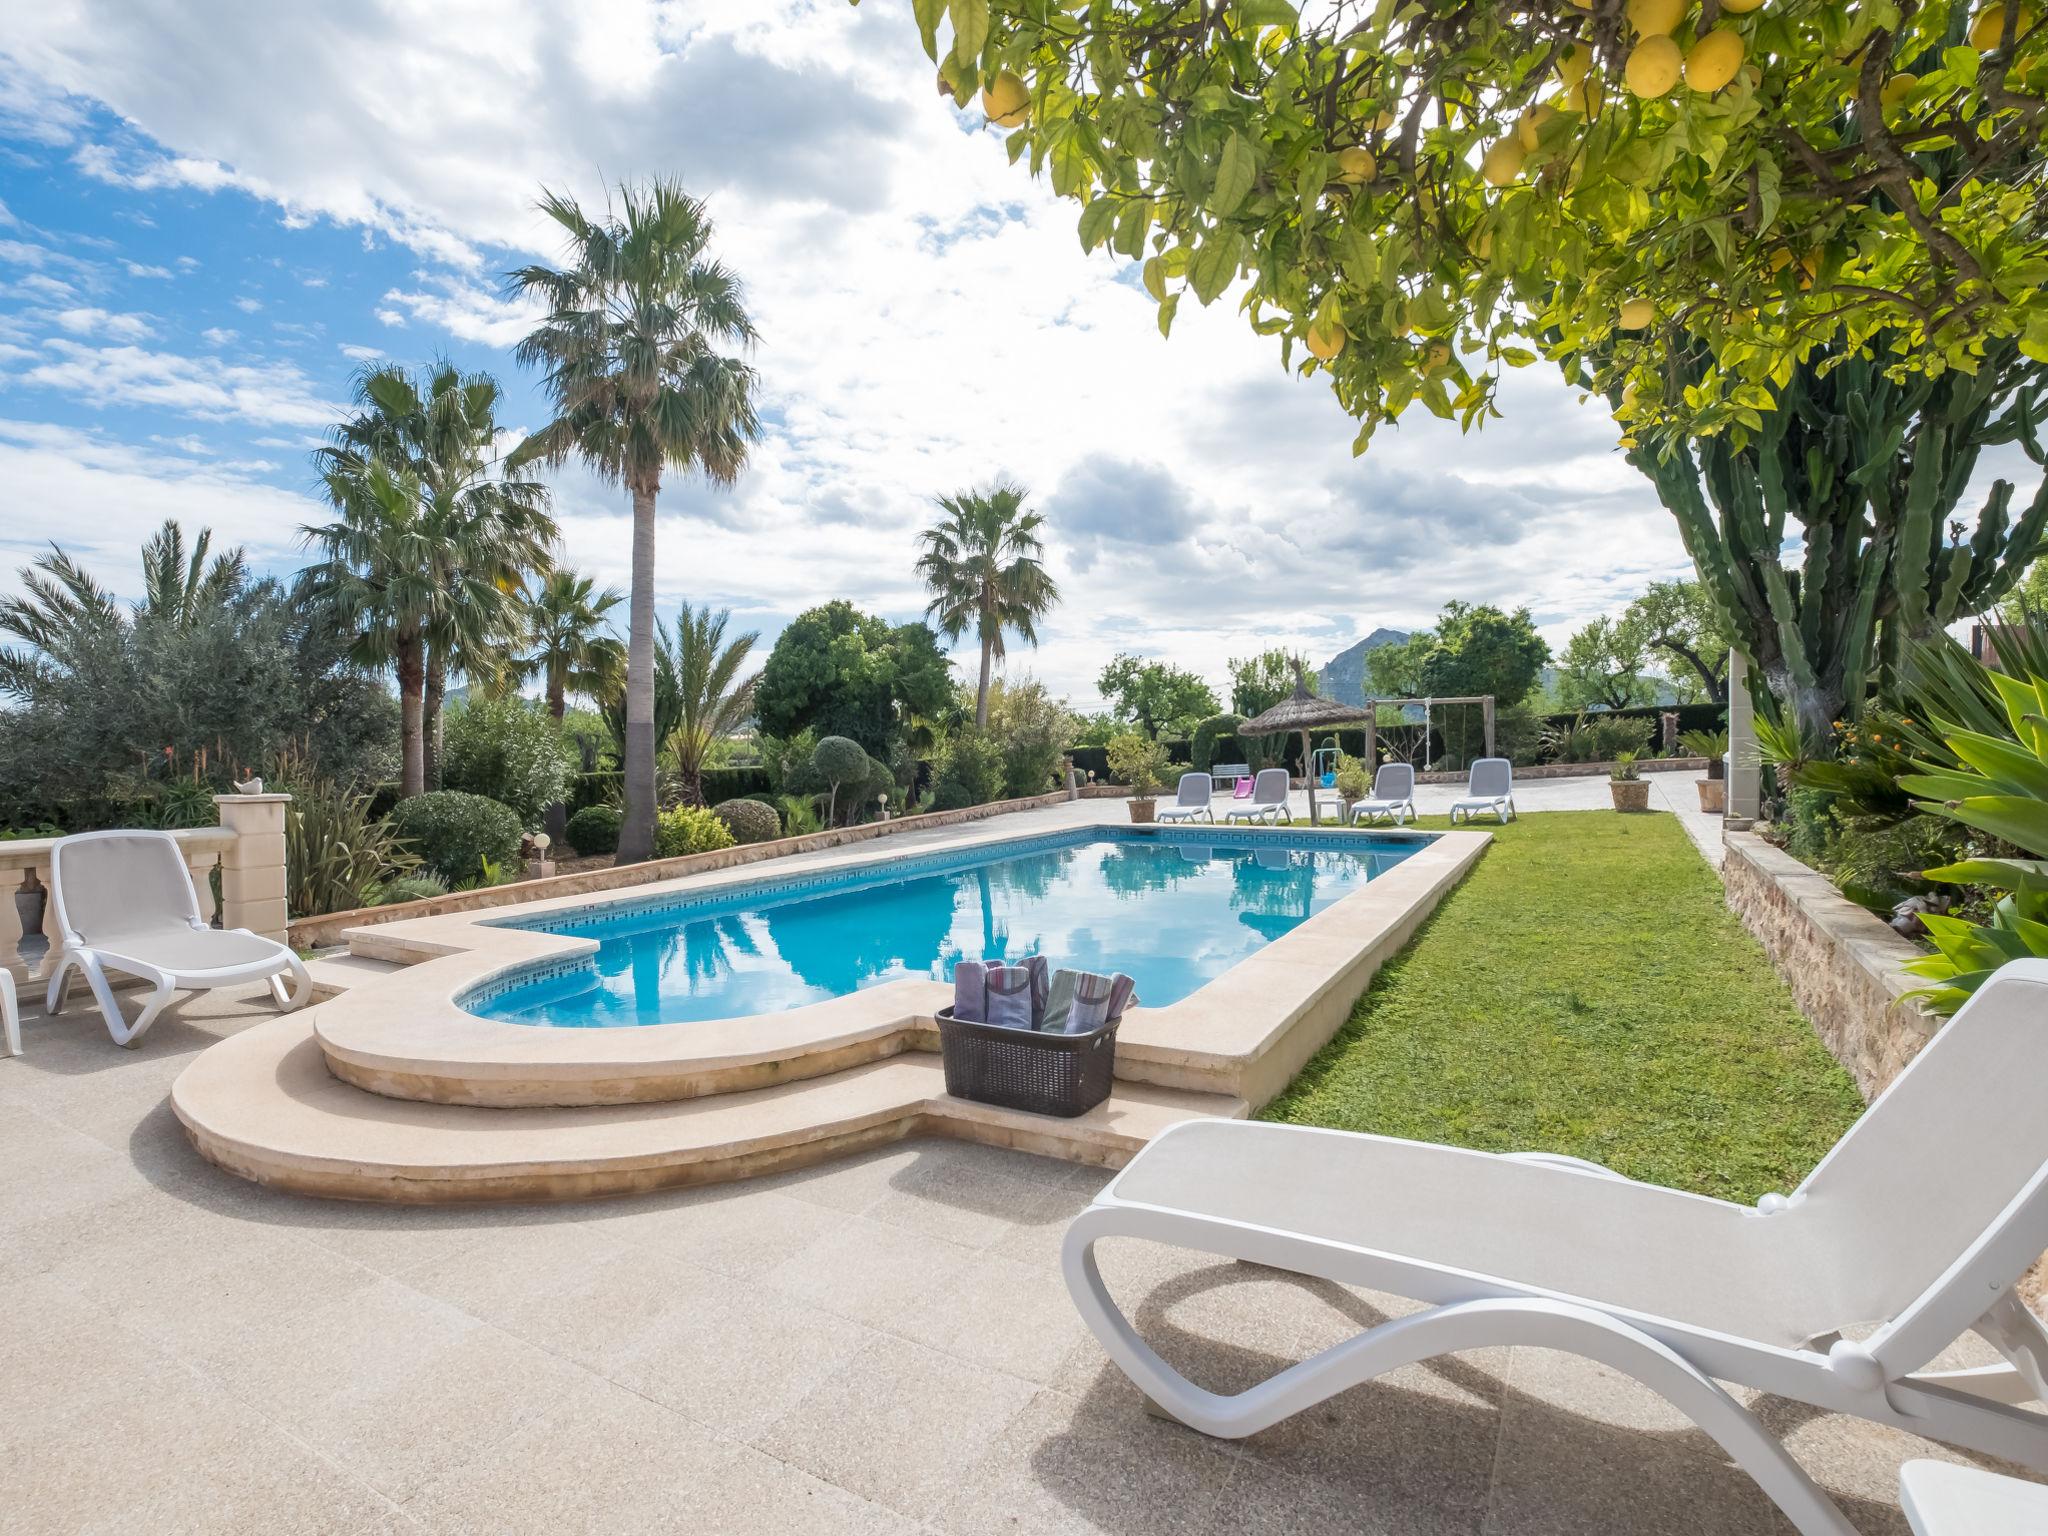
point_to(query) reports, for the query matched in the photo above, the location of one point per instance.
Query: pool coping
(1245, 1033)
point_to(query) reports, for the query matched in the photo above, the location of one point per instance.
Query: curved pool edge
(1245, 1033)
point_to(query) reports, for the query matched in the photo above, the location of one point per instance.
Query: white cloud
(359, 353)
(217, 336)
(145, 269)
(100, 322)
(268, 393)
(248, 305)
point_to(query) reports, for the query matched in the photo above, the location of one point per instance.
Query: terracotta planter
(1714, 796)
(1141, 810)
(1630, 794)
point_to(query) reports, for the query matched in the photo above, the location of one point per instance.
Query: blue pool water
(1174, 909)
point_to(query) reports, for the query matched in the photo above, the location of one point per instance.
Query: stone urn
(1630, 794)
(1143, 808)
(1714, 796)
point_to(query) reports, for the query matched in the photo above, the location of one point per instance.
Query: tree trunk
(412, 777)
(432, 695)
(556, 821)
(636, 832)
(988, 646)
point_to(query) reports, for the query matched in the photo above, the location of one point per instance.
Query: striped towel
(1009, 996)
(1041, 984)
(970, 991)
(1078, 1003)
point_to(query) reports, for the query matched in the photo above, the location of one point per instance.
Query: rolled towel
(970, 991)
(1123, 992)
(1009, 996)
(1059, 1003)
(1041, 986)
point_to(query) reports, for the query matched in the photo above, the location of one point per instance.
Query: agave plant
(1999, 787)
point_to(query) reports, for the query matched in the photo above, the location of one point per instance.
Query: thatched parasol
(1305, 712)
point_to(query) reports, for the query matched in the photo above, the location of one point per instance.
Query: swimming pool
(1172, 908)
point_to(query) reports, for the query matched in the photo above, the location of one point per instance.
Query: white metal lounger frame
(1978, 1408)
(1398, 807)
(1192, 799)
(78, 954)
(1263, 810)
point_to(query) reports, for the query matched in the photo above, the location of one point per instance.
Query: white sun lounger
(10, 1013)
(1393, 796)
(124, 902)
(1192, 799)
(1268, 801)
(1940, 1498)
(1920, 1221)
(1491, 788)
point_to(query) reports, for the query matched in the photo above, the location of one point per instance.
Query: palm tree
(477, 531)
(568, 649)
(982, 564)
(714, 700)
(61, 605)
(629, 349)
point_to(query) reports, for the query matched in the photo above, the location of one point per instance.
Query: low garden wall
(313, 932)
(1578, 770)
(1846, 967)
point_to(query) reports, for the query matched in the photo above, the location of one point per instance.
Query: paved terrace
(878, 1345)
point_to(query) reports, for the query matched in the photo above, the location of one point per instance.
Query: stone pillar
(1745, 765)
(252, 883)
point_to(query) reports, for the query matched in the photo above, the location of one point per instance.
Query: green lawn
(1586, 991)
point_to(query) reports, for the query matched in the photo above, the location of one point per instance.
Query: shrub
(970, 771)
(799, 815)
(689, 829)
(456, 834)
(1202, 747)
(407, 888)
(1354, 779)
(594, 829)
(1597, 738)
(336, 854)
(1034, 729)
(839, 761)
(749, 821)
(1138, 762)
(509, 751)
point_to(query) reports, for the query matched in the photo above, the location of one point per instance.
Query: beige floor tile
(1003, 1313)
(852, 1184)
(967, 1197)
(733, 1355)
(753, 1494)
(737, 1231)
(1560, 1473)
(507, 1267)
(870, 1272)
(594, 1317)
(897, 1425)
(1061, 1467)
(601, 1461)
(1036, 1238)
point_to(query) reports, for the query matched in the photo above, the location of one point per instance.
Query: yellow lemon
(1637, 313)
(1655, 18)
(1007, 101)
(1502, 163)
(1530, 129)
(1740, 7)
(1573, 62)
(1436, 356)
(1355, 166)
(1654, 67)
(1583, 98)
(1325, 341)
(1989, 27)
(1628, 395)
(1712, 61)
(1896, 90)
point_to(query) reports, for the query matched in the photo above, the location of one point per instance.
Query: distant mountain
(1343, 677)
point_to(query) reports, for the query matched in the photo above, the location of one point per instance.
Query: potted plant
(1354, 783)
(1713, 746)
(1141, 763)
(1631, 790)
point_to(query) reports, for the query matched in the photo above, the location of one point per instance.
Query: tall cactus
(1863, 473)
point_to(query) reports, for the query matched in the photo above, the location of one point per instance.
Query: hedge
(723, 784)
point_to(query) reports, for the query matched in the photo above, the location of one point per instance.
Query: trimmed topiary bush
(594, 829)
(455, 834)
(840, 761)
(1202, 748)
(689, 829)
(749, 821)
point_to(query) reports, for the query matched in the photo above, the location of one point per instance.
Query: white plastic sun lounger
(1939, 1498)
(1268, 801)
(1191, 800)
(124, 902)
(1393, 796)
(1919, 1222)
(1491, 788)
(10, 1014)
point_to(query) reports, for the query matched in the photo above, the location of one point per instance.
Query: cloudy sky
(212, 214)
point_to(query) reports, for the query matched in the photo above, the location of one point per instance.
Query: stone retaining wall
(1846, 968)
(313, 932)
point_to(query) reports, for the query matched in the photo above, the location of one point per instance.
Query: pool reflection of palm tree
(1273, 890)
(709, 946)
(1132, 869)
(838, 942)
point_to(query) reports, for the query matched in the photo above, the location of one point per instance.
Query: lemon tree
(1701, 210)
